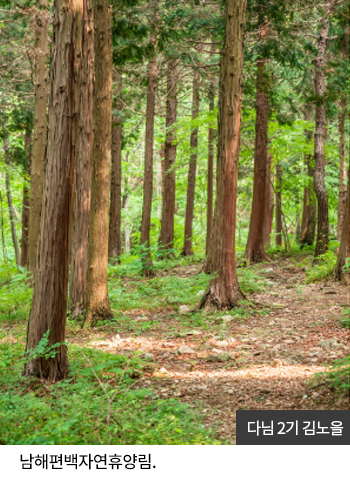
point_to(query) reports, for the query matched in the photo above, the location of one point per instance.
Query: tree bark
(278, 214)
(148, 170)
(168, 202)
(49, 304)
(115, 241)
(191, 184)
(223, 291)
(255, 245)
(25, 202)
(9, 194)
(210, 192)
(308, 222)
(269, 203)
(342, 167)
(344, 250)
(320, 132)
(97, 283)
(80, 239)
(40, 79)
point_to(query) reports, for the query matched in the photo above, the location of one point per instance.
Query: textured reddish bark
(344, 250)
(25, 202)
(223, 290)
(269, 203)
(255, 245)
(342, 168)
(80, 239)
(320, 135)
(97, 303)
(191, 182)
(166, 239)
(115, 240)
(49, 305)
(210, 192)
(278, 205)
(40, 80)
(148, 170)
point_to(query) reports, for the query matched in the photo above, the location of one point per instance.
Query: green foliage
(345, 320)
(166, 289)
(337, 377)
(43, 349)
(74, 411)
(15, 294)
(322, 269)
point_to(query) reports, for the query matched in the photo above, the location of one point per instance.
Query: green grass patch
(75, 411)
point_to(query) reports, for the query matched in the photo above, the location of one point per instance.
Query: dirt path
(263, 361)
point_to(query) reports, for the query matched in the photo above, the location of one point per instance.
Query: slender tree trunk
(115, 241)
(342, 167)
(320, 132)
(80, 239)
(255, 245)
(344, 250)
(187, 248)
(278, 209)
(168, 203)
(127, 224)
(223, 290)
(97, 283)
(269, 203)
(210, 192)
(49, 304)
(160, 171)
(308, 223)
(148, 171)
(8, 193)
(25, 203)
(40, 79)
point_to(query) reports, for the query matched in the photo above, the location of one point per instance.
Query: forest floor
(260, 357)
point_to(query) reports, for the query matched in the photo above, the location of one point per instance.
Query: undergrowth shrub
(337, 377)
(15, 295)
(74, 411)
(322, 269)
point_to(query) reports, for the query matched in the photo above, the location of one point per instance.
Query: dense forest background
(114, 165)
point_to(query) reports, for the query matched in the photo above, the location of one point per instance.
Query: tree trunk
(127, 223)
(8, 193)
(187, 248)
(80, 239)
(278, 215)
(97, 283)
(269, 203)
(210, 195)
(25, 203)
(344, 250)
(223, 290)
(115, 241)
(168, 203)
(320, 131)
(40, 79)
(49, 304)
(148, 171)
(308, 223)
(255, 245)
(342, 167)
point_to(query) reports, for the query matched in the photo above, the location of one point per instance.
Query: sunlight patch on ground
(258, 372)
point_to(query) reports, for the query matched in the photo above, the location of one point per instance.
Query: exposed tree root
(256, 256)
(214, 298)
